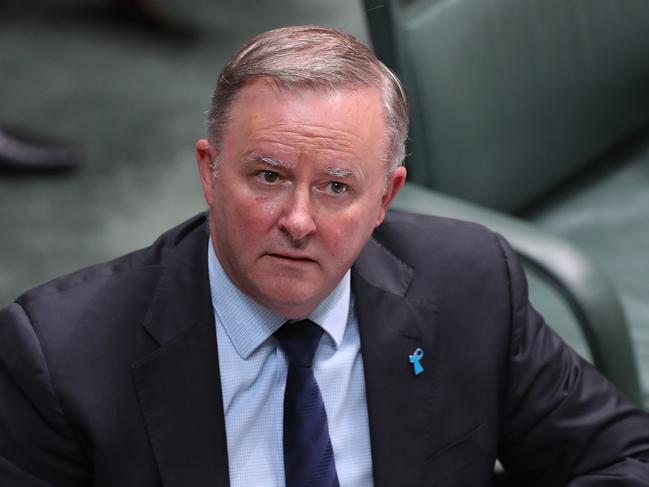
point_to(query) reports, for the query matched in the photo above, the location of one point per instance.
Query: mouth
(292, 258)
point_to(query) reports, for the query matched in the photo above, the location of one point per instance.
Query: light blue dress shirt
(253, 376)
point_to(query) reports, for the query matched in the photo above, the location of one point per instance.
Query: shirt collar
(248, 324)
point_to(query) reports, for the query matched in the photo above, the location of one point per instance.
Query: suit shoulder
(453, 257)
(412, 236)
(140, 262)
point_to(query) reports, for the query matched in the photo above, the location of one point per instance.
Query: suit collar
(179, 385)
(181, 301)
(392, 327)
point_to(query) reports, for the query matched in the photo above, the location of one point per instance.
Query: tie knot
(299, 340)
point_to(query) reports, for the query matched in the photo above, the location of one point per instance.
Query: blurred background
(529, 116)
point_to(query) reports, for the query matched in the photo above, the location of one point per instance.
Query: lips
(291, 257)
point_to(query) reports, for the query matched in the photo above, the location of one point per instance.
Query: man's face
(301, 185)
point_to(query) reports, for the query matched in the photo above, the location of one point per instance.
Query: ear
(205, 156)
(395, 182)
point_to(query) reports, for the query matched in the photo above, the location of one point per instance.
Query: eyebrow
(336, 172)
(269, 161)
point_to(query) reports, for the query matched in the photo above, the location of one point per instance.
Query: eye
(337, 187)
(268, 176)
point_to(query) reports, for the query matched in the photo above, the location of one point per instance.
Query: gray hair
(311, 57)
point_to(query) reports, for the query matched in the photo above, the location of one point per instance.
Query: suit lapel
(399, 402)
(179, 386)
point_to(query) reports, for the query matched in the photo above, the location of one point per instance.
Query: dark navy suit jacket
(109, 376)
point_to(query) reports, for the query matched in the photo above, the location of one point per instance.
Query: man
(176, 365)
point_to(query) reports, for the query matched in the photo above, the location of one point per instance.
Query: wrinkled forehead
(304, 87)
(264, 102)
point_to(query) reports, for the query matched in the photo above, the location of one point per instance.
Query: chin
(291, 302)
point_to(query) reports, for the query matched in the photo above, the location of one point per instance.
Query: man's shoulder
(413, 255)
(409, 234)
(133, 273)
(101, 312)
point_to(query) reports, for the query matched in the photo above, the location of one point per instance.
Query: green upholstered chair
(509, 98)
(504, 107)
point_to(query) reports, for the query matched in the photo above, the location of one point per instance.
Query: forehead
(345, 120)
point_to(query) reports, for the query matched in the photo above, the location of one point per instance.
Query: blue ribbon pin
(414, 360)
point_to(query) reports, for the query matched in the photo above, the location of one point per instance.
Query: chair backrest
(510, 97)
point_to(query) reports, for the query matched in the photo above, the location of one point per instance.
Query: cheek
(251, 218)
(345, 237)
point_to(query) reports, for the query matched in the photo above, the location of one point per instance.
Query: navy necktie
(308, 455)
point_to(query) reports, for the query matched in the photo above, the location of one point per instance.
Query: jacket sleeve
(563, 423)
(36, 446)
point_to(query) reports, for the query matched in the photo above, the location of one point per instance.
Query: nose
(297, 219)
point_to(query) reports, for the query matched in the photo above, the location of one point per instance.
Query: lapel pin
(414, 360)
